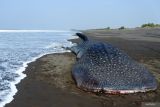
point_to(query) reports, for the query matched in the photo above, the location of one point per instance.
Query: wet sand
(49, 82)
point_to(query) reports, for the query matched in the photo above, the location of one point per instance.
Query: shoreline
(49, 82)
(36, 81)
(22, 76)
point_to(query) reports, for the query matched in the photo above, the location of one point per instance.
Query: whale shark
(102, 67)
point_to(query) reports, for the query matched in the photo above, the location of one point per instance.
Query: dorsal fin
(82, 36)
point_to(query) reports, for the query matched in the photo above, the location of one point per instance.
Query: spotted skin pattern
(102, 67)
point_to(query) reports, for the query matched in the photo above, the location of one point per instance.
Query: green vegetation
(147, 25)
(150, 25)
(122, 27)
(108, 28)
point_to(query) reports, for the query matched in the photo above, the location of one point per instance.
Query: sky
(77, 14)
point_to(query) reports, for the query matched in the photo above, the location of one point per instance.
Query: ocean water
(18, 48)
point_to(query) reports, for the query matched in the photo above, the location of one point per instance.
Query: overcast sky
(77, 14)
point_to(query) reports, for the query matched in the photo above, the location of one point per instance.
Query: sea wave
(9, 88)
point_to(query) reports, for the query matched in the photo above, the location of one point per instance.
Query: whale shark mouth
(127, 91)
(114, 92)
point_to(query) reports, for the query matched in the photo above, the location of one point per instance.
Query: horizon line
(34, 30)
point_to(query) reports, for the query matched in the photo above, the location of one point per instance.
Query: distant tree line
(121, 28)
(150, 25)
(142, 26)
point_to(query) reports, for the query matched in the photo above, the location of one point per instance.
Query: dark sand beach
(49, 82)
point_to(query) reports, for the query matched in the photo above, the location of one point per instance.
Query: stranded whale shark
(101, 67)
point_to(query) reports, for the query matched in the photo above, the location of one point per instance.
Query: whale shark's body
(102, 67)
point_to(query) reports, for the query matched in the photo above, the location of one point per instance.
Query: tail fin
(82, 36)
